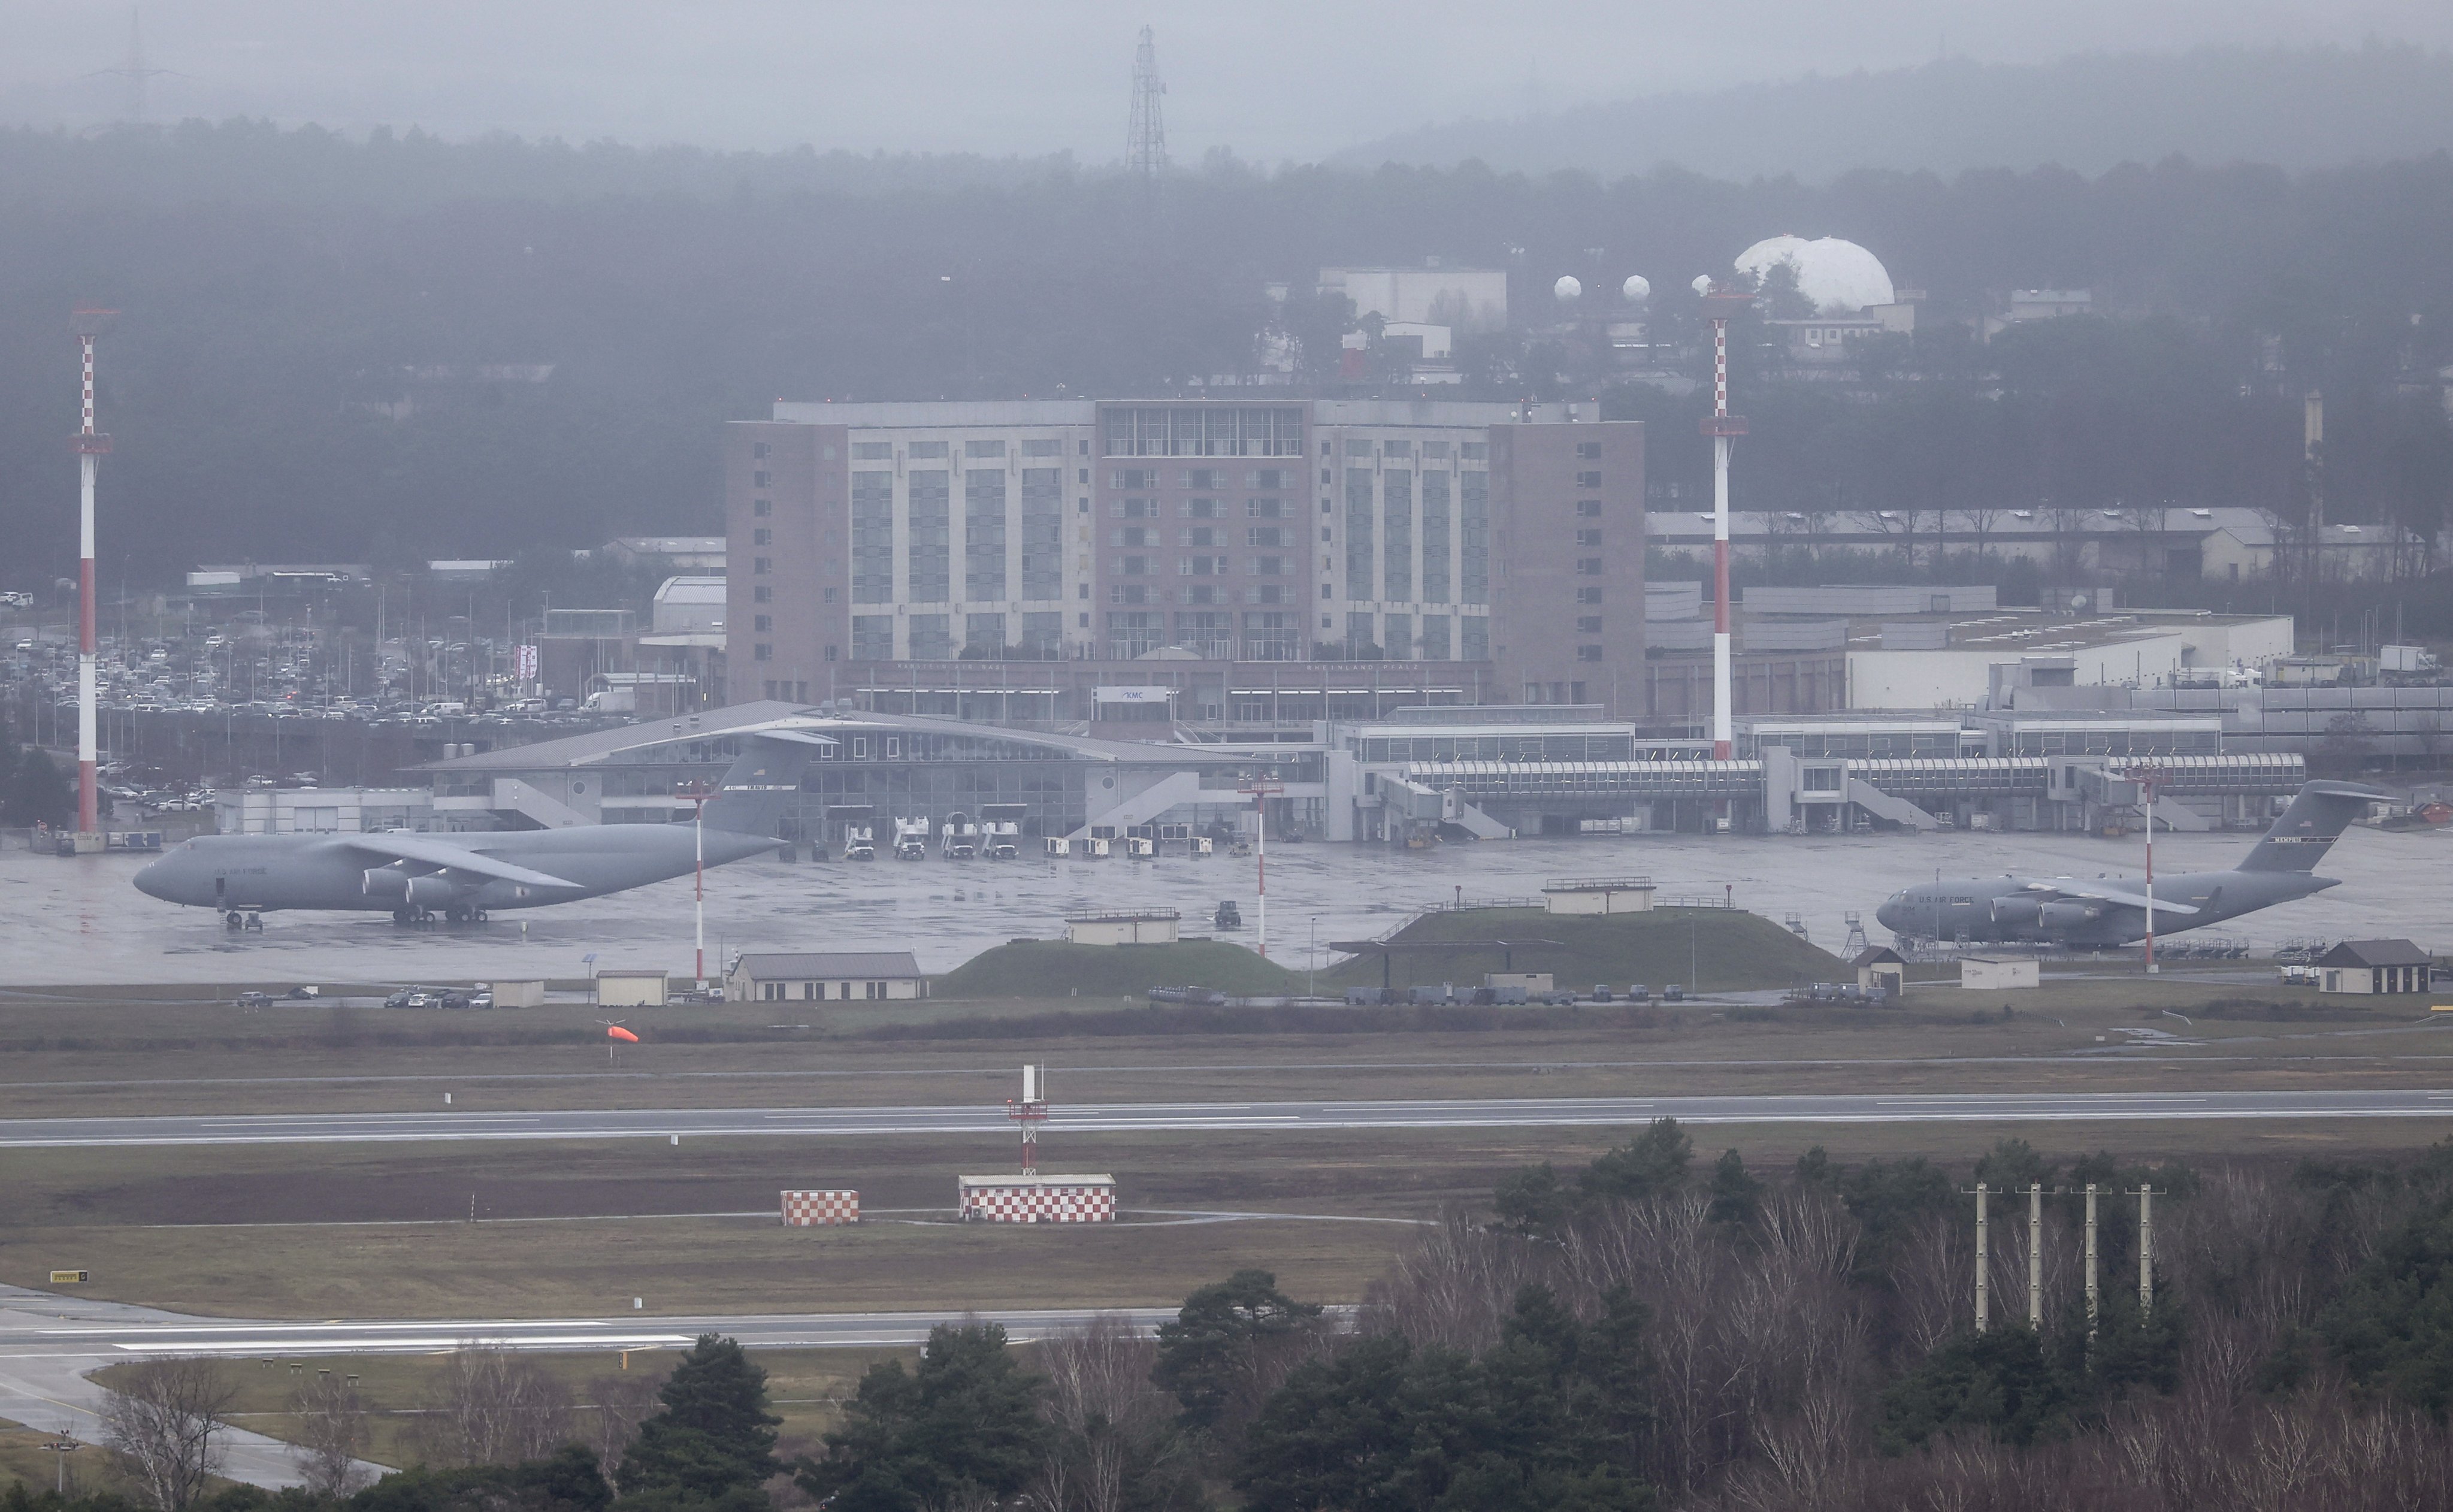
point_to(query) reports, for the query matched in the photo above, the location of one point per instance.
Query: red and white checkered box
(1055, 1200)
(816, 1209)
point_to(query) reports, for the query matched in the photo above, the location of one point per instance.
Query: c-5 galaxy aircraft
(2069, 912)
(414, 876)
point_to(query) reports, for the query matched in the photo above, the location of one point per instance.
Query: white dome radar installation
(1568, 289)
(1839, 276)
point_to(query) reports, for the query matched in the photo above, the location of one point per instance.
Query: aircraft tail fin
(761, 784)
(2319, 813)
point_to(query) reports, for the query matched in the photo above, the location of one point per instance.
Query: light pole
(1261, 788)
(1311, 977)
(696, 794)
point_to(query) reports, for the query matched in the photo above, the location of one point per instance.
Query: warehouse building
(824, 976)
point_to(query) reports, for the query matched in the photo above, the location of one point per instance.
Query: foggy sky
(1272, 79)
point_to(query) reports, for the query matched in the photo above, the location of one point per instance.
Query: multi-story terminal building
(1194, 559)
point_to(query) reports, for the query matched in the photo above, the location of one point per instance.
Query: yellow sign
(63, 1278)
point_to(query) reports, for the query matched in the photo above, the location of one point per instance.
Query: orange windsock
(615, 1031)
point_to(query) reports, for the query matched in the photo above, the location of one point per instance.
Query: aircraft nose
(151, 880)
(1888, 916)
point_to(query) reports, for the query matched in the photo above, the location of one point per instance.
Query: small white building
(621, 988)
(1127, 927)
(1590, 895)
(321, 811)
(2000, 972)
(824, 976)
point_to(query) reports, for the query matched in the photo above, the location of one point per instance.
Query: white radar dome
(1703, 284)
(1636, 289)
(1839, 276)
(1567, 289)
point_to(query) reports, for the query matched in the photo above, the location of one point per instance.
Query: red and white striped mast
(1720, 302)
(87, 323)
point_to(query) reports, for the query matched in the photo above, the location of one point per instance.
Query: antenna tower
(86, 323)
(1030, 1113)
(1146, 141)
(132, 72)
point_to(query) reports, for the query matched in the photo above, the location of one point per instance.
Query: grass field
(375, 1230)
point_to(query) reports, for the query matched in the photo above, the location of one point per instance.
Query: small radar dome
(1567, 289)
(1703, 284)
(1636, 289)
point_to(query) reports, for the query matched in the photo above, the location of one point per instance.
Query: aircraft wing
(451, 858)
(2103, 894)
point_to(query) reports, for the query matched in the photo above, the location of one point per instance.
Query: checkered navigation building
(1472, 552)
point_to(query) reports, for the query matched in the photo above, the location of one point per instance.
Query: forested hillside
(340, 349)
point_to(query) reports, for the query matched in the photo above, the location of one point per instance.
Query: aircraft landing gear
(236, 918)
(400, 917)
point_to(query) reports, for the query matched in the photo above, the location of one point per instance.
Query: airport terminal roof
(761, 714)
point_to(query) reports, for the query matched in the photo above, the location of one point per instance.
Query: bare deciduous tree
(165, 1422)
(624, 1399)
(492, 1407)
(1108, 1417)
(331, 1431)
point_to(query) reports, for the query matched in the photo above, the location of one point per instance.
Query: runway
(1133, 1118)
(48, 1344)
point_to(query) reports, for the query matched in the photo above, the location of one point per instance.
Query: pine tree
(714, 1436)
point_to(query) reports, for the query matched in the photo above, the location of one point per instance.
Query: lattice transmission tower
(1146, 142)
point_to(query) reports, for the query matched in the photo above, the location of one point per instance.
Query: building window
(872, 451)
(762, 623)
(761, 594)
(1589, 565)
(759, 450)
(929, 451)
(931, 569)
(1588, 595)
(1588, 480)
(932, 638)
(761, 479)
(1592, 537)
(761, 536)
(1263, 535)
(1588, 450)
(830, 595)
(1045, 447)
(1264, 508)
(762, 564)
(1269, 566)
(1588, 624)
(983, 448)
(1588, 508)
(1474, 638)
(1133, 567)
(872, 637)
(1588, 653)
(761, 508)
(831, 653)
(761, 652)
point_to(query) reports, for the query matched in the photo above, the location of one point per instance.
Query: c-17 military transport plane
(464, 876)
(2069, 912)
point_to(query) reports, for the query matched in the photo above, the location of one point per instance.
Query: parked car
(255, 999)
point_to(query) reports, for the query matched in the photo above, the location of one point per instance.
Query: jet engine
(436, 891)
(2069, 915)
(386, 882)
(2018, 913)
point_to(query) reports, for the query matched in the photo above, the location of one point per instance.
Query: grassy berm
(1055, 968)
(1708, 950)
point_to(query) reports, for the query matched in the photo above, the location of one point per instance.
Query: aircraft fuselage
(2027, 910)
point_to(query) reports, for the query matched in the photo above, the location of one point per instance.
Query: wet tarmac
(80, 921)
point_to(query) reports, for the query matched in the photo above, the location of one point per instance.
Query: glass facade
(1473, 639)
(873, 538)
(932, 544)
(1358, 535)
(984, 636)
(1043, 533)
(1398, 645)
(1397, 513)
(872, 637)
(983, 568)
(1474, 522)
(1437, 571)
(1435, 638)
(932, 637)
(1201, 430)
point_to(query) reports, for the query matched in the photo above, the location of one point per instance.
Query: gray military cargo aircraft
(463, 877)
(2072, 911)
